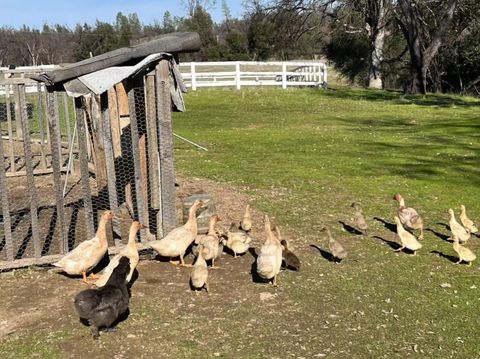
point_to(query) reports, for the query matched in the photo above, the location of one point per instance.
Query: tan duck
(246, 223)
(464, 254)
(467, 222)
(87, 254)
(408, 240)
(269, 261)
(237, 240)
(336, 249)
(176, 242)
(130, 251)
(409, 217)
(210, 242)
(457, 229)
(199, 274)
(359, 218)
(290, 259)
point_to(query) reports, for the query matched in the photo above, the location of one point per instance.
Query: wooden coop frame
(99, 118)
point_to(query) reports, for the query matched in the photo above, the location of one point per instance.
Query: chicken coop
(87, 137)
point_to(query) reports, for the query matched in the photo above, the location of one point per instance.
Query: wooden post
(54, 126)
(153, 156)
(165, 137)
(66, 112)
(194, 76)
(7, 221)
(284, 75)
(84, 171)
(32, 191)
(142, 214)
(237, 75)
(106, 134)
(99, 152)
(10, 129)
(18, 122)
(115, 123)
(40, 111)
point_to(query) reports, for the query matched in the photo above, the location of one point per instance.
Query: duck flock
(100, 307)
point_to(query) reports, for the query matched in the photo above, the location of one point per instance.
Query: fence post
(237, 75)
(194, 80)
(54, 126)
(7, 221)
(32, 190)
(165, 139)
(325, 81)
(10, 131)
(284, 75)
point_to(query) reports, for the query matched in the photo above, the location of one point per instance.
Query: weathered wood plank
(18, 124)
(26, 262)
(54, 126)
(153, 156)
(106, 134)
(84, 170)
(41, 127)
(114, 122)
(171, 43)
(7, 221)
(142, 214)
(167, 171)
(32, 191)
(10, 130)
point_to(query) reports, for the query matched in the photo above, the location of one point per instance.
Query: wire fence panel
(66, 161)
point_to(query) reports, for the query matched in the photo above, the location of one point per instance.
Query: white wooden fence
(250, 73)
(227, 74)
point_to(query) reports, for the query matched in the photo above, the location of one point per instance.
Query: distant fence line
(236, 74)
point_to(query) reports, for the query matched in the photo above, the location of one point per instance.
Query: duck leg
(213, 264)
(182, 262)
(274, 282)
(94, 331)
(420, 237)
(459, 261)
(84, 280)
(399, 249)
(206, 286)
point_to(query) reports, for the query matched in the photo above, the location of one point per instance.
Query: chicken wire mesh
(108, 157)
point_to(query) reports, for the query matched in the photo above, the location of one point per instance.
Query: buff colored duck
(130, 251)
(408, 216)
(237, 240)
(246, 223)
(176, 242)
(462, 234)
(467, 222)
(408, 240)
(336, 249)
(210, 242)
(87, 254)
(269, 261)
(464, 254)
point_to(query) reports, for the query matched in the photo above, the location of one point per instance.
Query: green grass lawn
(305, 155)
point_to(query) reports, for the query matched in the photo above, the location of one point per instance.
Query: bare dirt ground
(239, 318)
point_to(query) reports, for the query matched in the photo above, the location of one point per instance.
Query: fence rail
(251, 73)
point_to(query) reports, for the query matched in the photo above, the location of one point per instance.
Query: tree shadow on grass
(399, 98)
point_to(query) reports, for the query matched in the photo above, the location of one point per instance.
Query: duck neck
(192, 220)
(132, 236)
(102, 229)
(401, 203)
(211, 227)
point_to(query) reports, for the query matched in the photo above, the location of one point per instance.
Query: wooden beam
(18, 124)
(153, 156)
(84, 170)
(7, 221)
(10, 129)
(141, 206)
(54, 126)
(165, 134)
(32, 191)
(41, 127)
(106, 134)
(114, 122)
(26, 262)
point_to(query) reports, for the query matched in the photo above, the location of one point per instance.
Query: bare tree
(423, 42)
(191, 5)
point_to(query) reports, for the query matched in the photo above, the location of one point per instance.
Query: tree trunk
(421, 59)
(375, 19)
